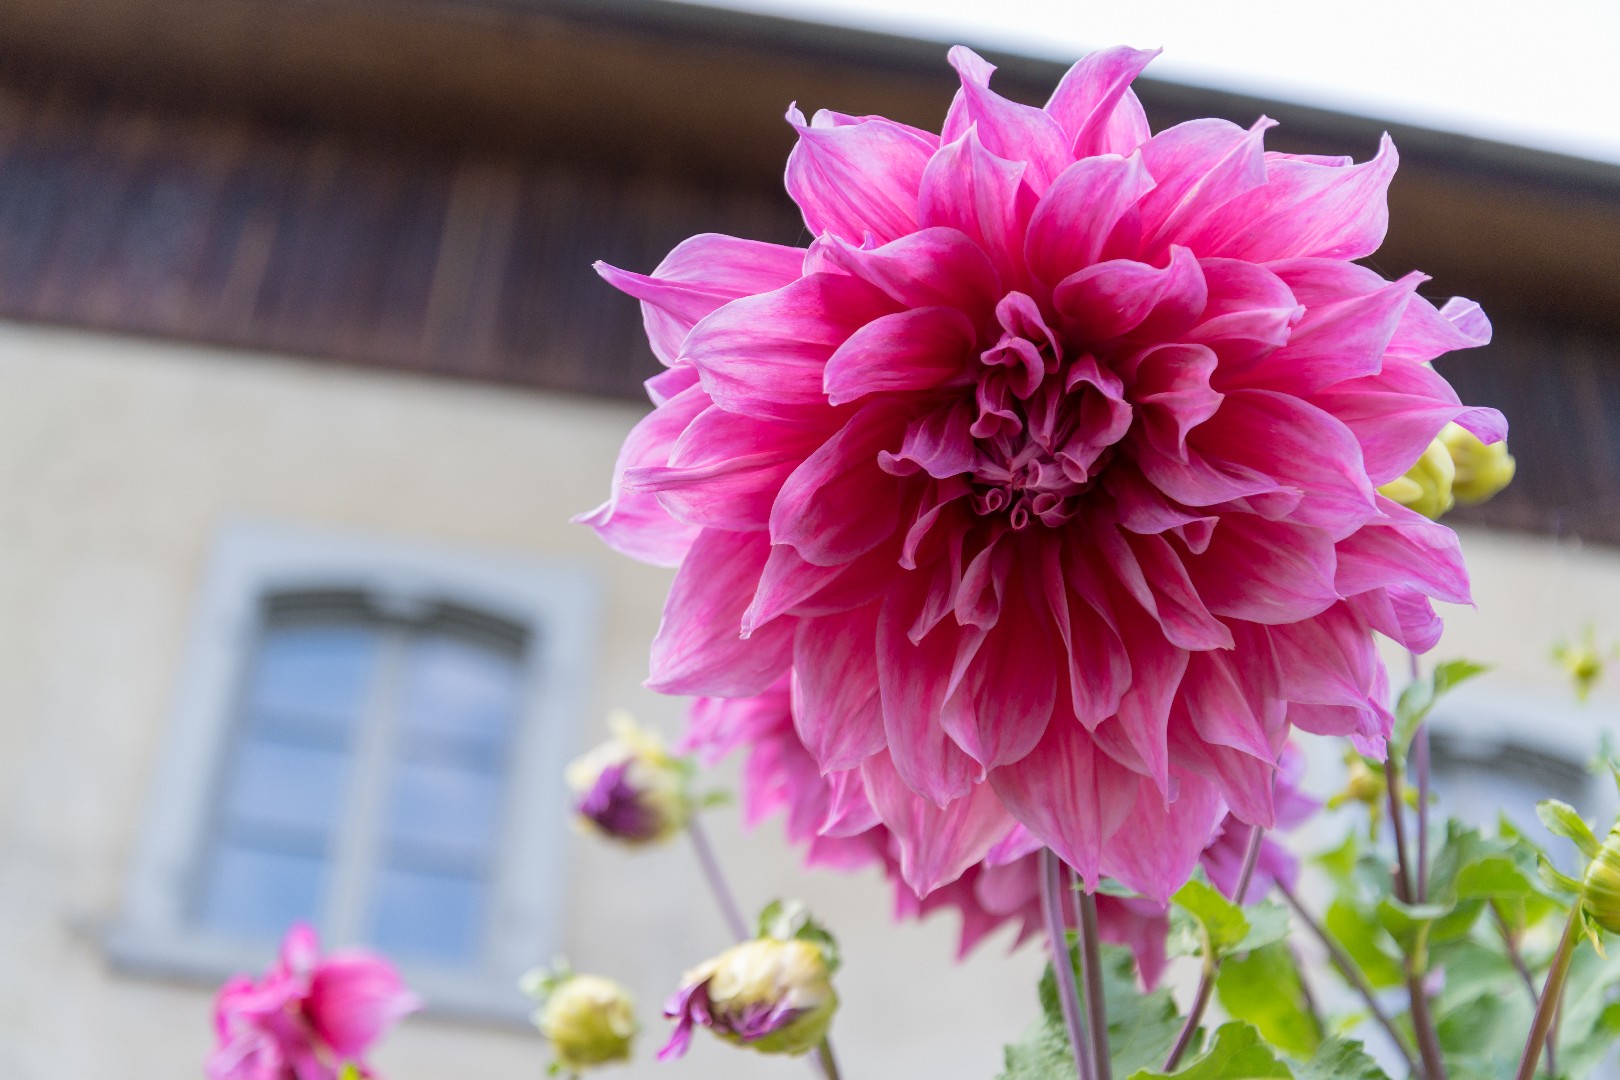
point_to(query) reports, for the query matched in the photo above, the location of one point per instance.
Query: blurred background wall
(304, 372)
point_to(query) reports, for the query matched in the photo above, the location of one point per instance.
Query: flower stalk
(1352, 975)
(1552, 991)
(1091, 967)
(1212, 962)
(723, 898)
(1053, 885)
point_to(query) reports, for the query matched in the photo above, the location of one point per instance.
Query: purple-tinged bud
(630, 788)
(772, 996)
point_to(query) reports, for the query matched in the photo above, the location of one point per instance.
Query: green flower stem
(1091, 966)
(1353, 976)
(1428, 1041)
(1212, 962)
(1053, 885)
(1397, 828)
(1529, 980)
(824, 1058)
(717, 881)
(1541, 1027)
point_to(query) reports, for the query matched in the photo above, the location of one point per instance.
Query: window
(369, 737)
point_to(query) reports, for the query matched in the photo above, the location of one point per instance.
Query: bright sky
(1543, 73)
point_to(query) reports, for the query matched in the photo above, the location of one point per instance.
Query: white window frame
(556, 601)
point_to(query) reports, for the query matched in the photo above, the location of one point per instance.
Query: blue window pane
(259, 893)
(460, 689)
(454, 810)
(312, 673)
(287, 785)
(432, 916)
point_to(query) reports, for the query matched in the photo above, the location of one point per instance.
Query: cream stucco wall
(118, 461)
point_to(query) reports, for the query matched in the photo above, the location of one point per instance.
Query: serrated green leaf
(1237, 1052)
(1268, 922)
(1109, 887)
(1142, 1027)
(1422, 695)
(1564, 820)
(1339, 1059)
(1042, 1054)
(1265, 988)
(1222, 924)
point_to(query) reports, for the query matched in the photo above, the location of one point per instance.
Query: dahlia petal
(1003, 701)
(1305, 209)
(909, 350)
(1177, 607)
(937, 843)
(1425, 333)
(935, 267)
(1250, 313)
(857, 178)
(850, 813)
(812, 510)
(635, 522)
(698, 276)
(1141, 926)
(1143, 508)
(837, 709)
(1006, 128)
(1303, 447)
(1157, 855)
(764, 355)
(1198, 167)
(1396, 413)
(912, 681)
(1172, 395)
(971, 190)
(1221, 711)
(1268, 572)
(1404, 548)
(1099, 666)
(1077, 213)
(1335, 340)
(699, 648)
(725, 469)
(1403, 615)
(1332, 661)
(1069, 795)
(1095, 107)
(1121, 296)
(1144, 710)
(1244, 781)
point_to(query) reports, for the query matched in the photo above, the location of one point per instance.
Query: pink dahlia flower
(830, 817)
(308, 1017)
(1050, 468)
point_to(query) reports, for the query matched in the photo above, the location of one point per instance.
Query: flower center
(1039, 427)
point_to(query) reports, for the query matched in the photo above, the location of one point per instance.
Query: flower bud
(772, 996)
(1583, 661)
(588, 1020)
(1362, 784)
(630, 788)
(1426, 487)
(1481, 470)
(1600, 887)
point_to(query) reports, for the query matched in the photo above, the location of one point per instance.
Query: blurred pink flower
(1050, 467)
(832, 820)
(308, 1017)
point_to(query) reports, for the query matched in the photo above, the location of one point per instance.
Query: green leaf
(1366, 942)
(1142, 1027)
(1221, 924)
(1268, 922)
(1042, 1054)
(1564, 820)
(1339, 1059)
(790, 920)
(1265, 988)
(1420, 696)
(1237, 1052)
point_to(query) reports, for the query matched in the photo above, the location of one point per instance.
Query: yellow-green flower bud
(1426, 487)
(1362, 784)
(768, 995)
(1600, 887)
(588, 1020)
(630, 788)
(1583, 661)
(1481, 470)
